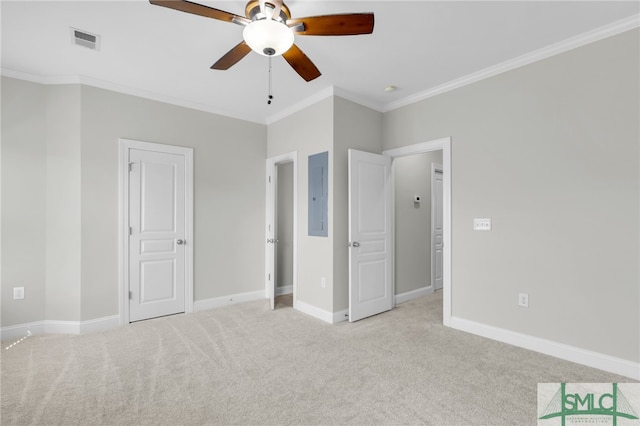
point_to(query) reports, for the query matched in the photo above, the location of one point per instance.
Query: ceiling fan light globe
(268, 37)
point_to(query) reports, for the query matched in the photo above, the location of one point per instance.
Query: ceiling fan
(270, 30)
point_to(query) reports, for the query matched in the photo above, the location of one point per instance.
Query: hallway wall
(550, 153)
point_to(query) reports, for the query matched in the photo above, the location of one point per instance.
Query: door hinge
(130, 230)
(269, 179)
(130, 295)
(269, 277)
(130, 166)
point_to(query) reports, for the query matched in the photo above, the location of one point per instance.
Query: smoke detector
(85, 39)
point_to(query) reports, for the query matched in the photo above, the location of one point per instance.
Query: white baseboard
(559, 350)
(315, 312)
(287, 289)
(413, 294)
(59, 327)
(15, 332)
(218, 302)
(341, 316)
(100, 324)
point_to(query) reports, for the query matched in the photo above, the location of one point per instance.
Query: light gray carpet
(247, 365)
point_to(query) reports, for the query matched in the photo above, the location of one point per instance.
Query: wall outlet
(18, 293)
(523, 300)
(323, 282)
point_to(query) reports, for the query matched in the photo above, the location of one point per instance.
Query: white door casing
(270, 228)
(370, 234)
(270, 225)
(157, 205)
(437, 242)
(443, 144)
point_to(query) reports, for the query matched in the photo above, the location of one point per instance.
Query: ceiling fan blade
(335, 25)
(301, 63)
(201, 10)
(232, 57)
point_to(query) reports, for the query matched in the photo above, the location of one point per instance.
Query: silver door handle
(354, 244)
(180, 242)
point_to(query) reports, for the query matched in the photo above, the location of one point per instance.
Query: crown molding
(299, 106)
(127, 90)
(344, 94)
(526, 59)
(317, 97)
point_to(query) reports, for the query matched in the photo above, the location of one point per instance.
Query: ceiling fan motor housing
(252, 11)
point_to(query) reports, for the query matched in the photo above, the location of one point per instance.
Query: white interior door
(271, 216)
(157, 197)
(370, 234)
(437, 234)
(270, 249)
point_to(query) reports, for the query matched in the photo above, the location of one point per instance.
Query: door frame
(125, 145)
(443, 144)
(270, 214)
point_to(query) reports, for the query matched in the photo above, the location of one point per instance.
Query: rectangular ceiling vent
(85, 39)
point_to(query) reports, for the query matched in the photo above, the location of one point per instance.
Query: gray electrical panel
(318, 194)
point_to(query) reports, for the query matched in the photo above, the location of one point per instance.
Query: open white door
(437, 233)
(370, 234)
(271, 225)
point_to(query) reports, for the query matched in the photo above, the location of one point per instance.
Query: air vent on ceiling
(85, 39)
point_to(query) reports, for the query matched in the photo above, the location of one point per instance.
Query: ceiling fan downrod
(270, 97)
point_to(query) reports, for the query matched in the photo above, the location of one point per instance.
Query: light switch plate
(482, 224)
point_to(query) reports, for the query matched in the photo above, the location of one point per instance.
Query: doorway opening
(283, 267)
(443, 144)
(281, 231)
(415, 214)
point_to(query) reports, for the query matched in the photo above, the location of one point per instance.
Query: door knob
(180, 242)
(354, 244)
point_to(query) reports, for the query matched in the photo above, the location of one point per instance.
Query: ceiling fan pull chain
(270, 93)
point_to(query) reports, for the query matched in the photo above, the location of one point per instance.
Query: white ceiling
(164, 54)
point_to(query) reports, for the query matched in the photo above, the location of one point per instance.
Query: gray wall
(24, 219)
(335, 125)
(550, 152)
(355, 127)
(63, 203)
(284, 266)
(229, 168)
(308, 132)
(72, 140)
(412, 176)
